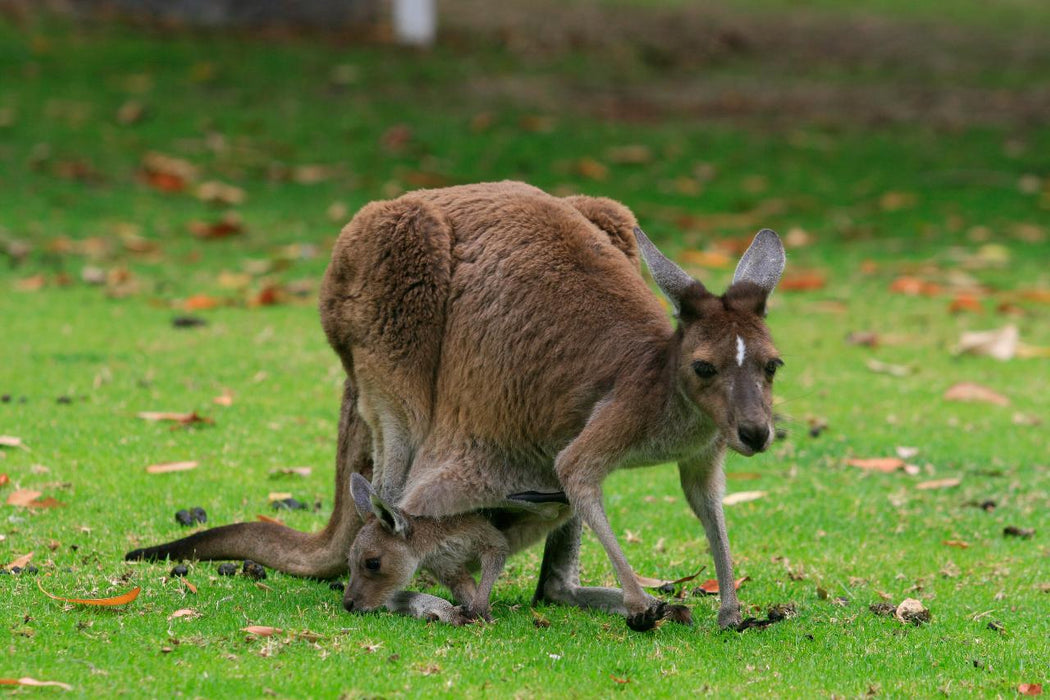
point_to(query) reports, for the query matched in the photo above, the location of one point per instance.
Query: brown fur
(503, 340)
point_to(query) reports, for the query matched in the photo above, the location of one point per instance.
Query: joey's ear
(763, 262)
(389, 517)
(362, 492)
(672, 280)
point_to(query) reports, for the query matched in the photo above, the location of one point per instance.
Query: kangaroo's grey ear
(763, 261)
(389, 517)
(671, 279)
(362, 492)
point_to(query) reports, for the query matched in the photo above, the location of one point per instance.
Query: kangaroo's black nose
(348, 604)
(754, 436)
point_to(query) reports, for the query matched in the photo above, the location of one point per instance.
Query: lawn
(915, 232)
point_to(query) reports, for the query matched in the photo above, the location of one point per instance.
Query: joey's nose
(754, 436)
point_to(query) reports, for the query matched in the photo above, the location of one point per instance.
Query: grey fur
(763, 261)
(672, 280)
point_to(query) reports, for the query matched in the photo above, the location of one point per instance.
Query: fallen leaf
(647, 582)
(913, 286)
(743, 476)
(11, 441)
(1018, 419)
(261, 630)
(278, 496)
(939, 484)
(166, 173)
(200, 302)
(965, 302)
(130, 112)
(742, 497)
(1030, 688)
(268, 519)
(956, 543)
(34, 683)
(224, 399)
(878, 464)
(170, 467)
(184, 612)
(590, 169)
(291, 471)
(33, 283)
(797, 238)
(48, 502)
(705, 258)
(905, 452)
(181, 418)
(23, 497)
(805, 281)
(192, 588)
(1001, 343)
(968, 391)
(895, 201)
(121, 599)
(617, 679)
(229, 225)
(868, 339)
(215, 192)
(269, 295)
(912, 611)
(880, 367)
(4, 479)
(710, 586)
(632, 154)
(21, 561)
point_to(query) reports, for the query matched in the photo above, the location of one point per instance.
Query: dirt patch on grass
(633, 63)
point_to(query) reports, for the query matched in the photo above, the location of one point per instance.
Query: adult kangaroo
(500, 340)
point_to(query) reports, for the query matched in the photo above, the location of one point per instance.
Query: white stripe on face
(741, 351)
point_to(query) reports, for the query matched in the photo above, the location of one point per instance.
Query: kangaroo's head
(726, 356)
(382, 560)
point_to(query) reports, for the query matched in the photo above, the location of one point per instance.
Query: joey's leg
(704, 484)
(560, 574)
(492, 560)
(427, 607)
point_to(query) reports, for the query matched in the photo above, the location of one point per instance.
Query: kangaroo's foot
(659, 610)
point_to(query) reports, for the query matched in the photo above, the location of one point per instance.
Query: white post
(415, 22)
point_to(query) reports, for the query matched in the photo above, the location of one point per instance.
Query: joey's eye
(372, 564)
(704, 370)
(772, 366)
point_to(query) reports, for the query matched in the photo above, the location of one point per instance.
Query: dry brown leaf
(48, 502)
(868, 339)
(192, 588)
(23, 497)
(200, 302)
(965, 302)
(31, 284)
(939, 484)
(292, 471)
(1001, 343)
(968, 391)
(743, 476)
(21, 561)
(880, 367)
(224, 399)
(877, 464)
(913, 286)
(229, 225)
(710, 586)
(617, 679)
(1030, 688)
(215, 192)
(631, 154)
(742, 497)
(261, 630)
(170, 467)
(32, 682)
(705, 258)
(4, 479)
(268, 519)
(278, 496)
(590, 169)
(649, 582)
(184, 612)
(959, 544)
(181, 418)
(12, 441)
(804, 281)
(121, 599)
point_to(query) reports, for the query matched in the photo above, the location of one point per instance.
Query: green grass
(822, 525)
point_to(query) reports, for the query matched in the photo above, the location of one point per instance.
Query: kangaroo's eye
(772, 366)
(704, 370)
(372, 564)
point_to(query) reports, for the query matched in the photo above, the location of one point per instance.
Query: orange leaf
(121, 599)
(1039, 295)
(968, 391)
(913, 286)
(163, 182)
(956, 543)
(710, 586)
(200, 302)
(939, 484)
(189, 586)
(704, 258)
(4, 479)
(12, 441)
(21, 561)
(34, 682)
(617, 679)
(170, 467)
(261, 630)
(229, 225)
(878, 464)
(965, 302)
(1030, 688)
(184, 612)
(22, 497)
(48, 502)
(803, 282)
(181, 418)
(268, 519)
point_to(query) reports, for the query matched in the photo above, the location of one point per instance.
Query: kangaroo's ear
(362, 492)
(390, 517)
(763, 262)
(672, 280)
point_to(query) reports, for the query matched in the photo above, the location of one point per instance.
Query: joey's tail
(321, 554)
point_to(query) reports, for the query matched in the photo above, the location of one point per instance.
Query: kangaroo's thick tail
(321, 554)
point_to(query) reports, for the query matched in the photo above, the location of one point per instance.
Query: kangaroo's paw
(729, 617)
(465, 615)
(658, 611)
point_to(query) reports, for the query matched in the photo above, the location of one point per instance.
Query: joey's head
(726, 356)
(382, 561)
